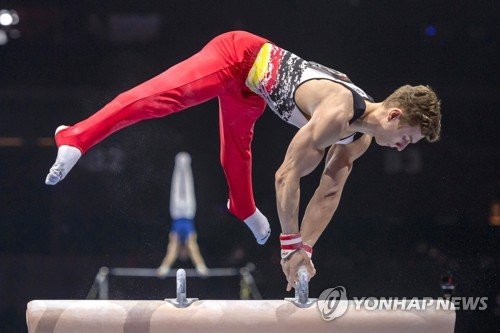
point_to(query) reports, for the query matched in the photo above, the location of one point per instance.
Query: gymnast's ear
(394, 113)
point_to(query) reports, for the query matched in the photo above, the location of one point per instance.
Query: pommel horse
(182, 314)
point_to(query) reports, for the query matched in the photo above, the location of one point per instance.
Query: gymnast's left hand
(291, 265)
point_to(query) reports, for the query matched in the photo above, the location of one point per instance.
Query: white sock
(67, 156)
(259, 226)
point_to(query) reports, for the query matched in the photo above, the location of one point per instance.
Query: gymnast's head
(411, 113)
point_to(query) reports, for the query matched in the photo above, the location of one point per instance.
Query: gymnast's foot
(67, 156)
(259, 226)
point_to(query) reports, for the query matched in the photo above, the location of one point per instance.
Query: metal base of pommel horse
(187, 315)
(301, 298)
(181, 301)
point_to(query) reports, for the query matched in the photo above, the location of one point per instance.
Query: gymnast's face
(396, 134)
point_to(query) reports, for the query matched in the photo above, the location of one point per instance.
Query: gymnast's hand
(291, 265)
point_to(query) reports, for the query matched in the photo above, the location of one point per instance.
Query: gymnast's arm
(328, 122)
(305, 152)
(195, 254)
(324, 202)
(171, 255)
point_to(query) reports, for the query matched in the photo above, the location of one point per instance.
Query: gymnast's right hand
(293, 262)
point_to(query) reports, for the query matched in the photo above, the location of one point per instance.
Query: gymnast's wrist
(291, 243)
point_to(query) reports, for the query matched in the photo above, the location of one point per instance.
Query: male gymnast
(246, 72)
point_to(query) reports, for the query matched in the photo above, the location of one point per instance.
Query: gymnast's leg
(237, 116)
(182, 198)
(193, 81)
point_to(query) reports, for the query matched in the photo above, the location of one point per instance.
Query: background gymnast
(182, 238)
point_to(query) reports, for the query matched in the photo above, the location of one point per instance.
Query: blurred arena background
(406, 221)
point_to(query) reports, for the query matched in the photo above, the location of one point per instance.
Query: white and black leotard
(277, 74)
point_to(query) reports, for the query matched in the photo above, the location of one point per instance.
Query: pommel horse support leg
(191, 315)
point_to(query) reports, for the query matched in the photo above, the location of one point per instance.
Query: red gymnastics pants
(218, 70)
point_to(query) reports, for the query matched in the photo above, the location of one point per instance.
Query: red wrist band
(291, 243)
(308, 249)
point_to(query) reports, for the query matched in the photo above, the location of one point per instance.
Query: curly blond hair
(421, 107)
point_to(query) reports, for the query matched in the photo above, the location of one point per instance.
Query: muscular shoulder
(324, 95)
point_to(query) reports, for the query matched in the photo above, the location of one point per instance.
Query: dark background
(405, 219)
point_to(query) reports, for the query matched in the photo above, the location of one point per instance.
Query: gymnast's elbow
(284, 177)
(330, 192)
(331, 195)
(279, 178)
